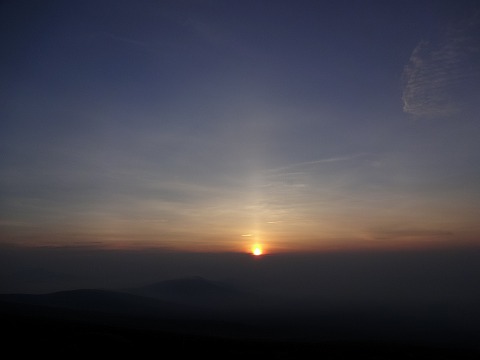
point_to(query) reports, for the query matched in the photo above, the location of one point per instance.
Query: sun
(257, 250)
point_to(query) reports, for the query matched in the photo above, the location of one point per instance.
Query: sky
(210, 126)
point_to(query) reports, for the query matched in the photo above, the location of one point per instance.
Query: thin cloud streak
(314, 162)
(128, 40)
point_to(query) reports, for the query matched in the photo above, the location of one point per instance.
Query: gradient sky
(212, 125)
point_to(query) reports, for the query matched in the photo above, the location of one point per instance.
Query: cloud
(127, 40)
(282, 169)
(413, 234)
(440, 75)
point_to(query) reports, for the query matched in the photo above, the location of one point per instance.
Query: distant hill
(195, 291)
(95, 307)
(196, 308)
(189, 286)
(103, 301)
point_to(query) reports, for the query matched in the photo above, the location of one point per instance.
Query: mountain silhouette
(195, 291)
(104, 302)
(98, 306)
(196, 311)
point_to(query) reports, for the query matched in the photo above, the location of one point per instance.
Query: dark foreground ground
(36, 330)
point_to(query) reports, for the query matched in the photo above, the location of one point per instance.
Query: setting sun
(257, 250)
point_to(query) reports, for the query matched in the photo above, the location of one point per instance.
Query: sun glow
(257, 250)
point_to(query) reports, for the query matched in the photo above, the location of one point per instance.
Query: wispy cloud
(410, 233)
(439, 73)
(295, 166)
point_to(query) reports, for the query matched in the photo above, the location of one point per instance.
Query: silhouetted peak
(194, 286)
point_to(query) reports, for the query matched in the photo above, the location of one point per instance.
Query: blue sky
(212, 125)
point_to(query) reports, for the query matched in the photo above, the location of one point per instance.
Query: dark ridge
(127, 323)
(191, 287)
(102, 301)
